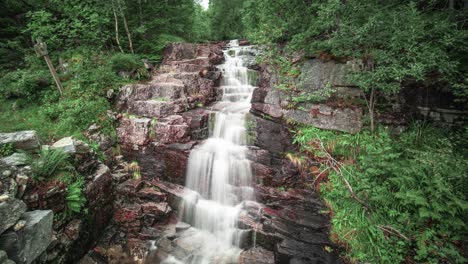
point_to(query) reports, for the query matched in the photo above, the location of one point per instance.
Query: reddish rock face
(165, 114)
(172, 129)
(134, 131)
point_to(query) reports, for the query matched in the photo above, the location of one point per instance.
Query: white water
(218, 171)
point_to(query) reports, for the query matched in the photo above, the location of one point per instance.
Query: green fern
(75, 199)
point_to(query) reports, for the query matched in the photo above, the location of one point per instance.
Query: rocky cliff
(34, 224)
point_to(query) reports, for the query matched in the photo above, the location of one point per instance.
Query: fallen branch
(336, 166)
(393, 231)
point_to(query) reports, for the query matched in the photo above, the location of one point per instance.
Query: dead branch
(336, 166)
(393, 231)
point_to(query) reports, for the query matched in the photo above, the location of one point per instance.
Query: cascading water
(219, 172)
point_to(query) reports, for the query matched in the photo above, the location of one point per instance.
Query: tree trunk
(130, 43)
(116, 28)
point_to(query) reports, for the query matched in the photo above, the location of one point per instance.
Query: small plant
(75, 199)
(134, 168)
(7, 149)
(49, 162)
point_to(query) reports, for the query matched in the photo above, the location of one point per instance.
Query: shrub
(130, 63)
(414, 186)
(7, 149)
(24, 84)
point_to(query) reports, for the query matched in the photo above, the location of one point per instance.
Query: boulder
(30, 242)
(71, 145)
(24, 140)
(10, 211)
(16, 159)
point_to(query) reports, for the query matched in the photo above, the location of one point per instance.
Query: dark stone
(30, 242)
(10, 212)
(272, 136)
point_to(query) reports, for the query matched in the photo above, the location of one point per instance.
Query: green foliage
(395, 40)
(75, 198)
(48, 163)
(415, 184)
(226, 19)
(24, 84)
(130, 63)
(7, 149)
(72, 23)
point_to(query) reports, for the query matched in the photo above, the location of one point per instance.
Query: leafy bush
(414, 186)
(130, 63)
(24, 84)
(48, 163)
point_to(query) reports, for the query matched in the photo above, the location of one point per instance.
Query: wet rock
(197, 120)
(181, 226)
(272, 136)
(71, 145)
(10, 211)
(24, 140)
(31, 241)
(257, 255)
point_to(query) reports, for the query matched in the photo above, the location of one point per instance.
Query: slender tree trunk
(130, 43)
(116, 28)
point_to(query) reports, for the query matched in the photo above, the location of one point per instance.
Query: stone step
(155, 108)
(184, 67)
(202, 61)
(158, 91)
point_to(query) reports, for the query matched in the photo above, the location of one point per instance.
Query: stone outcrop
(328, 80)
(28, 231)
(22, 140)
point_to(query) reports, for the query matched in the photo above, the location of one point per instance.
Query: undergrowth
(414, 186)
(56, 166)
(30, 100)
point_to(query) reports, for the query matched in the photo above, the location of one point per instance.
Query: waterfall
(218, 171)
